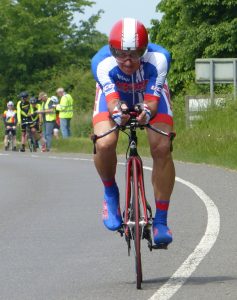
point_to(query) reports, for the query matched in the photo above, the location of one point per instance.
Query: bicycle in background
(32, 142)
(10, 145)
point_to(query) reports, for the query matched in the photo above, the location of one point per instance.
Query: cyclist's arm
(15, 119)
(18, 113)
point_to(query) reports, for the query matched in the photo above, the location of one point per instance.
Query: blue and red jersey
(146, 83)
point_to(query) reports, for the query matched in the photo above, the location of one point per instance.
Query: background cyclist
(23, 116)
(37, 125)
(133, 70)
(10, 122)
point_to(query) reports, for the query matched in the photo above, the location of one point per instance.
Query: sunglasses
(123, 55)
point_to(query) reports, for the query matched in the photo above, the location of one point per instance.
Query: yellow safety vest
(49, 117)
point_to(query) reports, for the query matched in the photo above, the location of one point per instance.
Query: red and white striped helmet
(128, 34)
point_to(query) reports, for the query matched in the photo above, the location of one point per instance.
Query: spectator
(65, 108)
(49, 117)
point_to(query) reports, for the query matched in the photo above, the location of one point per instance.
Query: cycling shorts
(10, 129)
(23, 126)
(164, 109)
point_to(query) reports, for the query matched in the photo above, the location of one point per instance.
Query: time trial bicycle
(137, 215)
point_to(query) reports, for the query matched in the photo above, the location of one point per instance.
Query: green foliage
(212, 139)
(195, 29)
(39, 42)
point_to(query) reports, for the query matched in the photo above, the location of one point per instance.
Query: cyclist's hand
(119, 116)
(145, 115)
(13, 127)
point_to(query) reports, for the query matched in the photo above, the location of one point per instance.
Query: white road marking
(4, 154)
(208, 240)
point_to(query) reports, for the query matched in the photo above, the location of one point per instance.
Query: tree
(36, 40)
(193, 29)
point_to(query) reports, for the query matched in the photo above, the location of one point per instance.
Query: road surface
(53, 245)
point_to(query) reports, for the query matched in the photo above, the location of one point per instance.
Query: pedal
(121, 231)
(160, 246)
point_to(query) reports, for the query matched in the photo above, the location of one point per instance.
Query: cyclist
(37, 125)
(10, 121)
(24, 111)
(132, 70)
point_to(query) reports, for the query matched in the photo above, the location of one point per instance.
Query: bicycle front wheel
(136, 219)
(31, 144)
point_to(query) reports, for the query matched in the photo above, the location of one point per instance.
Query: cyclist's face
(129, 67)
(128, 61)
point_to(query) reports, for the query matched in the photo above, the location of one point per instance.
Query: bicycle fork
(145, 221)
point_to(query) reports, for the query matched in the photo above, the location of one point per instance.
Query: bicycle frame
(30, 136)
(134, 158)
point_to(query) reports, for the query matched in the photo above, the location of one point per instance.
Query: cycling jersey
(10, 117)
(147, 83)
(23, 110)
(35, 116)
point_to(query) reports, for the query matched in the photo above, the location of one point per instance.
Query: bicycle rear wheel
(136, 219)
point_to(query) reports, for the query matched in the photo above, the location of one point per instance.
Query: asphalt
(53, 245)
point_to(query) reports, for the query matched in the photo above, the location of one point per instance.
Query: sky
(143, 10)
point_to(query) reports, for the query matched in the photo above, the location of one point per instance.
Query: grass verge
(211, 140)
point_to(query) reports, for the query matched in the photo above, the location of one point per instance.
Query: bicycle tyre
(30, 144)
(9, 141)
(137, 229)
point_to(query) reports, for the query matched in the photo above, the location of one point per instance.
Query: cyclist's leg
(6, 138)
(23, 137)
(14, 138)
(105, 162)
(163, 174)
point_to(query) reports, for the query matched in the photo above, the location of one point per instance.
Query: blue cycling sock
(110, 187)
(161, 212)
(161, 232)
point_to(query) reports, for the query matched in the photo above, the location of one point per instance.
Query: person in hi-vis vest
(65, 108)
(49, 116)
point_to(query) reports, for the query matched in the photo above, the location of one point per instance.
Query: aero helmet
(128, 34)
(24, 95)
